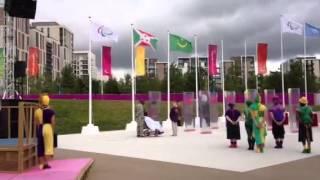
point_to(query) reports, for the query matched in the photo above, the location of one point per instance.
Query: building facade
(313, 64)
(61, 36)
(80, 64)
(161, 70)
(14, 39)
(50, 62)
(186, 63)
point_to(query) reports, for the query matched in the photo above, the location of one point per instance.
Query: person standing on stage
(45, 123)
(233, 128)
(259, 124)
(305, 124)
(277, 115)
(249, 125)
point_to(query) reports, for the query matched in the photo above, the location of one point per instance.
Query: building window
(37, 39)
(48, 32)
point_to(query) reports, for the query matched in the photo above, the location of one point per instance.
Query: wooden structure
(18, 144)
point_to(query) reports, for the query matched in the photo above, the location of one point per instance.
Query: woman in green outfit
(305, 124)
(259, 124)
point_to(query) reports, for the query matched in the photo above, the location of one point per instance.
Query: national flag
(212, 60)
(312, 31)
(262, 58)
(178, 43)
(140, 61)
(142, 38)
(100, 33)
(289, 25)
(2, 63)
(106, 61)
(33, 62)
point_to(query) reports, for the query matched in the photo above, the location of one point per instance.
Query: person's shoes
(231, 146)
(281, 144)
(305, 151)
(41, 166)
(46, 166)
(308, 151)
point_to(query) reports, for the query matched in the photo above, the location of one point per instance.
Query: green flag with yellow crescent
(178, 43)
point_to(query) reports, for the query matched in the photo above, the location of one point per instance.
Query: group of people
(255, 124)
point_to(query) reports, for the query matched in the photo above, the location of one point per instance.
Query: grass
(71, 115)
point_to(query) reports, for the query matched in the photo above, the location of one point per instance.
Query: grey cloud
(234, 21)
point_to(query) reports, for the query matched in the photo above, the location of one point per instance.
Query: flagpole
(90, 78)
(27, 62)
(101, 75)
(132, 75)
(305, 62)
(168, 79)
(282, 71)
(208, 71)
(90, 129)
(245, 66)
(257, 69)
(222, 80)
(197, 87)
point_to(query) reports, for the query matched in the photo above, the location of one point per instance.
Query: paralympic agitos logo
(293, 26)
(104, 32)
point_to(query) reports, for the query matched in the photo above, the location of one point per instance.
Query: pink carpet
(68, 169)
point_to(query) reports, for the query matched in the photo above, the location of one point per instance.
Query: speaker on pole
(20, 69)
(21, 8)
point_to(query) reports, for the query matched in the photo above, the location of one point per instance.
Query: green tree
(68, 80)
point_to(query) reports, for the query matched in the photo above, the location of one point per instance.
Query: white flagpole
(282, 72)
(168, 78)
(222, 80)
(101, 80)
(305, 63)
(132, 74)
(245, 66)
(208, 70)
(257, 68)
(90, 78)
(90, 129)
(27, 80)
(197, 88)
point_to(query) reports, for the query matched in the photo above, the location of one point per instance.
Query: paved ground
(191, 148)
(123, 168)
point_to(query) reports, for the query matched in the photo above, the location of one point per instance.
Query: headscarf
(303, 100)
(44, 100)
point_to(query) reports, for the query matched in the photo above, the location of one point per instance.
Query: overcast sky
(234, 21)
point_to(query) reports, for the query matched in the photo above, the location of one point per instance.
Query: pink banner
(212, 61)
(262, 58)
(106, 61)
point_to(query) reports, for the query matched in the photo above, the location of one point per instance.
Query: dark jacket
(174, 114)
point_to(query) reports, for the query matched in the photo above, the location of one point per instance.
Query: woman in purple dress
(233, 128)
(278, 117)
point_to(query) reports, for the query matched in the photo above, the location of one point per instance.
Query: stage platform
(69, 169)
(192, 148)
